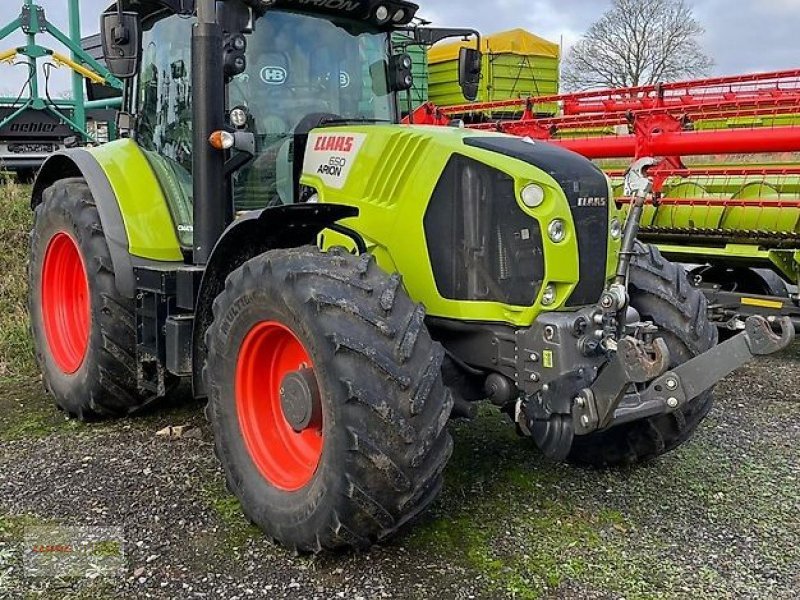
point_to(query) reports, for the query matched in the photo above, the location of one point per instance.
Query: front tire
(661, 292)
(368, 441)
(84, 331)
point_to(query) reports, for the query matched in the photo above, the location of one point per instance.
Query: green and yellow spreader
(339, 286)
(740, 240)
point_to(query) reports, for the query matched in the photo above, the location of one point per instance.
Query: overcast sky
(743, 36)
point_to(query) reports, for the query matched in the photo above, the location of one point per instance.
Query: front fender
(133, 210)
(249, 236)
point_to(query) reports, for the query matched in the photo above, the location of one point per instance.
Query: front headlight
(557, 231)
(532, 195)
(549, 296)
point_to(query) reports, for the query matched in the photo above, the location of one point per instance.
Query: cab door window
(164, 114)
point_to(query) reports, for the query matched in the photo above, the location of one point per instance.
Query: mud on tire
(661, 292)
(105, 383)
(384, 406)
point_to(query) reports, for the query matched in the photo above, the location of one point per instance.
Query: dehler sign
(32, 127)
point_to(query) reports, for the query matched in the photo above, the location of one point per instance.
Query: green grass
(529, 528)
(26, 413)
(227, 544)
(16, 351)
(515, 526)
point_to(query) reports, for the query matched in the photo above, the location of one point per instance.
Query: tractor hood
(446, 203)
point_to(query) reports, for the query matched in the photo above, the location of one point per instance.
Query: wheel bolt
(672, 384)
(673, 403)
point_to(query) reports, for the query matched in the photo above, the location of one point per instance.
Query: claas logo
(334, 143)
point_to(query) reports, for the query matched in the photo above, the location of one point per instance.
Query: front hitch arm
(606, 403)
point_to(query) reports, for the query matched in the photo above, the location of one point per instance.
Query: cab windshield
(301, 65)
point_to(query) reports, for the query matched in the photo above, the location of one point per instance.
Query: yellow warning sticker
(760, 303)
(547, 359)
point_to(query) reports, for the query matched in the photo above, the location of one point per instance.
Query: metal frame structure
(658, 120)
(71, 112)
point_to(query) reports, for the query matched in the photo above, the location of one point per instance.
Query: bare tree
(638, 42)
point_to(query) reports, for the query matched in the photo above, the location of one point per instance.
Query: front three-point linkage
(617, 396)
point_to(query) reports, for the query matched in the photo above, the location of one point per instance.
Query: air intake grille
(482, 246)
(586, 189)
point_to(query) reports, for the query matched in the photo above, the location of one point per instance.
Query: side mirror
(470, 63)
(378, 73)
(122, 43)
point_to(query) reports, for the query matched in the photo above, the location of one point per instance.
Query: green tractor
(338, 286)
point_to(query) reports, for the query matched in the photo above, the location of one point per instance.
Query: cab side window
(164, 114)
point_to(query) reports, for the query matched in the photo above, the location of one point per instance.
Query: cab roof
(401, 12)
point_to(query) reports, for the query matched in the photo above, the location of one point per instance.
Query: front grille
(580, 180)
(481, 245)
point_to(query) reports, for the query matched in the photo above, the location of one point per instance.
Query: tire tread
(663, 287)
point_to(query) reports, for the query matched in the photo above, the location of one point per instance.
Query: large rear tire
(661, 292)
(84, 331)
(331, 344)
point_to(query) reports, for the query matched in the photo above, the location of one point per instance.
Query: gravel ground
(718, 519)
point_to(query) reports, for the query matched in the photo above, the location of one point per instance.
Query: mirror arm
(120, 31)
(428, 36)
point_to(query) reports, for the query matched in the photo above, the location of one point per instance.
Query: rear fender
(133, 210)
(254, 234)
(80, 163)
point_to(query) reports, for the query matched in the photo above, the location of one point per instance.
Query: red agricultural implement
(758, 114)
(727, 182)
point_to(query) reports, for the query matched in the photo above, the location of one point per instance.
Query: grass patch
(530, 529)
(16, 350)
(27, 413)
(12, 527)
(236, 530)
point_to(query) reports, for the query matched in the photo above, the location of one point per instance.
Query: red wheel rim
(66, 307)
(287, 459)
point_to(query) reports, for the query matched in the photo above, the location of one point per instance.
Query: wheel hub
(279, 406)
(300, 400)
(66, 304)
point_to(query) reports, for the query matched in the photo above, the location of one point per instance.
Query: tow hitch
(609, 402)
(615, 367)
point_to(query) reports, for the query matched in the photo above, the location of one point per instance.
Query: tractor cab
(289, 66)
(302, 66)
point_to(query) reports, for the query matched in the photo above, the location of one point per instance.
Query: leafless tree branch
(638, 42)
